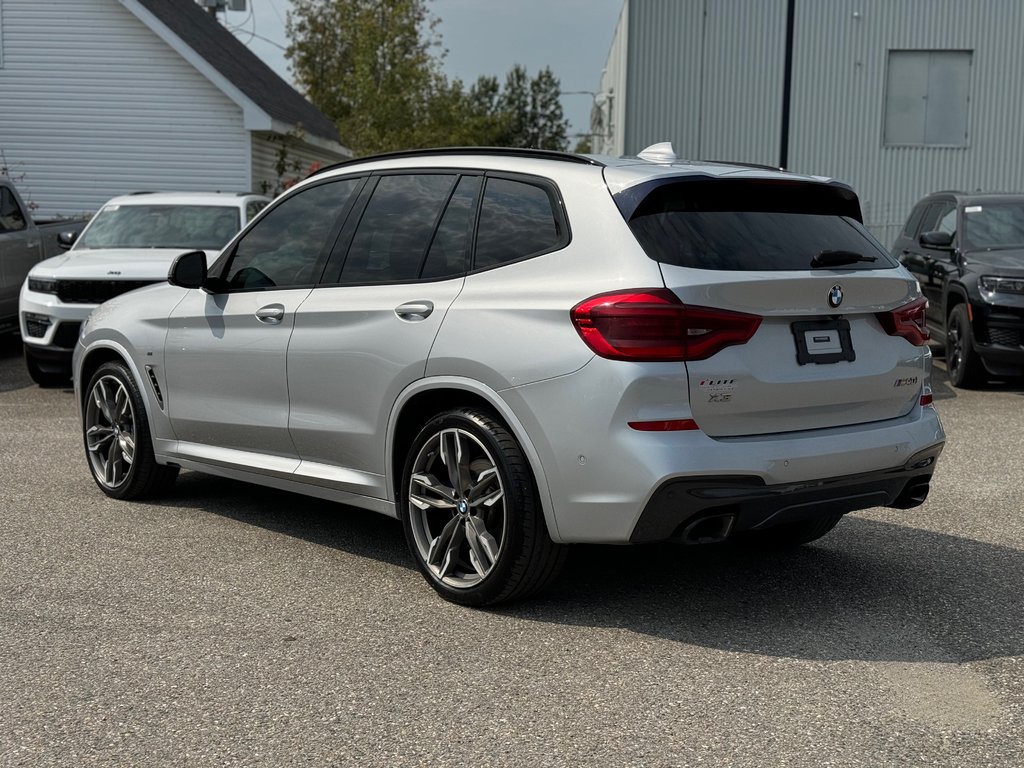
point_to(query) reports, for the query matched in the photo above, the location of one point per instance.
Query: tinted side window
(11, 217)
(911, 228)
(284, 249)
(947, 223)
(517, 219)
(933, 214)
(449, 252)
(394, 232)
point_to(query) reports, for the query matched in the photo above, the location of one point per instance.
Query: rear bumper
(748, 503)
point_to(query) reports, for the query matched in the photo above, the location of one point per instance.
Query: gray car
(514, 350)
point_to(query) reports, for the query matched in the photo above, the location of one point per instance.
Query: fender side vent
(156, 386)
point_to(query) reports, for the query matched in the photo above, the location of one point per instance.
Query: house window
(926, 97)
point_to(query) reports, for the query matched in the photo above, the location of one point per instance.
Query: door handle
(415, 310)
(272, 314)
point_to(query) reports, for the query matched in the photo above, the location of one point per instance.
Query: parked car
(515, 350)
(23, 243)
(130, 243)
(967, 251)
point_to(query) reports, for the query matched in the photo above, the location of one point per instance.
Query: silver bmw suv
(512, 351)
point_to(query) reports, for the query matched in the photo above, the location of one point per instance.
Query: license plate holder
(823, 341)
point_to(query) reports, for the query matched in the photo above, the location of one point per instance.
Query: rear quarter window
(744, 226)
(518, 219)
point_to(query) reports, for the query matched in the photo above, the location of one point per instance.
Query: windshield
(182, 227)
(999, 225)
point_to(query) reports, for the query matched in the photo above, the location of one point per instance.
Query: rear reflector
(907, 321)
(926, 399)
(669, 425)
(653, 325)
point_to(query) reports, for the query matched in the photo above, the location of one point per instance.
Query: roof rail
(743, 164)
(538, 154)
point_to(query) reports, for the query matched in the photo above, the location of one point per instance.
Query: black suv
(967, 251)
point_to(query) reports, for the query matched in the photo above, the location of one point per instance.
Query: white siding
(93, 104)
(299, 159)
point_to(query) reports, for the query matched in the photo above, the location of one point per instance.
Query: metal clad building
(897, 97)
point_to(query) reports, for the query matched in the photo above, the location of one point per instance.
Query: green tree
(368, 65)
(532, 110)
(374, 67)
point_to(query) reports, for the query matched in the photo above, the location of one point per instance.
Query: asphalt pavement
(230, 625)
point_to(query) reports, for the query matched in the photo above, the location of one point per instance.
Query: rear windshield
(753, 226)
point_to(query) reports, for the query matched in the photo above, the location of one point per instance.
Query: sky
(484, 37)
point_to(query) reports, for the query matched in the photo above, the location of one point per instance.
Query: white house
(103, 97)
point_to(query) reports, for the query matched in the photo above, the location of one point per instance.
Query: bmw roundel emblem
(835, 296)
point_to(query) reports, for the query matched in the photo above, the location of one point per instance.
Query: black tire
(118, 444)
(45, 379)
(962, 362)
(470, 551)
(789, 535)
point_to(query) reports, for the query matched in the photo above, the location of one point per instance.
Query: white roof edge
(254, 118)
(277, 126)
(182, 198)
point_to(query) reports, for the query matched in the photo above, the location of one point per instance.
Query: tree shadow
(871, 590)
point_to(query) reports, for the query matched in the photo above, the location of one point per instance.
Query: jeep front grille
(96, 291)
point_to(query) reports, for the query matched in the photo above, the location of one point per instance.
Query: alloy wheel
(457, 508)
(110, 431)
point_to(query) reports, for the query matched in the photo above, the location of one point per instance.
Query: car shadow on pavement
(943, 390)
(871, 590)
(13, 375)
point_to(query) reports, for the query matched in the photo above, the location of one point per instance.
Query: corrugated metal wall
(663, 65)
(839, 81)
(741, 108)
(712, 101)
(610, 103)
(708, 75)
(93, 104)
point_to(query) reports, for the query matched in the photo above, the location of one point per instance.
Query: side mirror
(188, 270)
(66, 239)
(936, 239)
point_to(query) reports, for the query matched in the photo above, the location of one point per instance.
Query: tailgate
(809, 365)
(841, 338)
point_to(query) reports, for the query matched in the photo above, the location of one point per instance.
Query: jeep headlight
(42, 285)
(991, 285)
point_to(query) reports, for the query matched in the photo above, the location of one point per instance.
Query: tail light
(908, 321)
(653, 325)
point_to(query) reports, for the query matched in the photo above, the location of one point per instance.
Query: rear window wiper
(839, 259)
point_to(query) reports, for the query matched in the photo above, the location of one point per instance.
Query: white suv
(514, 350)
(129, 243)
